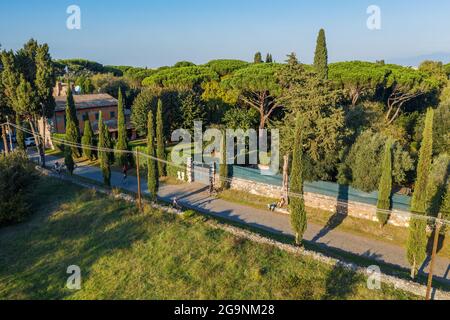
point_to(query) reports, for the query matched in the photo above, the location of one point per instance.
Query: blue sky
(161, 32)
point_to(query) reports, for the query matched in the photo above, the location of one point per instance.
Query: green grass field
(154, 255)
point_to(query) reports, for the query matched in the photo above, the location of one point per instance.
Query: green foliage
(17, 176)
(364, 162)
(192, 109)
(79, 67)
(434, 69)
(437, 184)
(160, 146)
(68, 160)
(225, 67)
(385, 186)
(324, 124)
(441, 132)
(72, 126)
(152, 168)
(122, 140)
(240, 118)
(258, 58)
(183, 78)
(419, 199)
(417, 239)
(296, 201)
(218, 100)
(147, 100)
(88, 140)
(321, 56)
(447, 69)
(181, 64)
(269, 58)
(45, 80)
(106, 158)
(258, 88)
(359, 79)
(416, 244)
(223, 166)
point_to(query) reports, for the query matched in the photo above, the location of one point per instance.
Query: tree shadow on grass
(341, 283)
(38, 259)
(339, 215)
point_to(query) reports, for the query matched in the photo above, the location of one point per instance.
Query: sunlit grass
(154, 255)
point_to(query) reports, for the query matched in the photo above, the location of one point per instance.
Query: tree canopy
(359, 79)
(258, 88)
(225, 67)
(183, 78)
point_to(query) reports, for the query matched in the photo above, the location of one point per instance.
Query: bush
(16, 176)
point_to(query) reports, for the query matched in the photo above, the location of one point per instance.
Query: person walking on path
(125, 174)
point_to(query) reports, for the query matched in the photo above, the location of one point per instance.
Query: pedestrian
(125, 174)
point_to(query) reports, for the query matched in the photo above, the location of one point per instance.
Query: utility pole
(437, 230)
(9, 134)
(139, 181)
(5, 143)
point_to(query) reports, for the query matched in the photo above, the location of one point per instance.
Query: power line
(230, 180)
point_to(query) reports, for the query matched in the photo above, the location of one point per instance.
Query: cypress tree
(223, 167)
(417, 239)
(385, 187)
(72, 126)
(269, 58)
(258, 58)
(20, 137)
(321, 56)
(104, 142)
(68, 160)
(87, 140)
(160, 147)
(122, 141)
(152, 179)
(296, 202)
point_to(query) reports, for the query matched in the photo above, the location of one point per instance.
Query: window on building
(85, 116)
(112, 115)
(96, 116)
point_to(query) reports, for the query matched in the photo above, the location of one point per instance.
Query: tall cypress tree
(269, 58)
(385, 187)
(258, 58)
(87, 140)
(296, 201)
(160, 147)
(321, 56)
(72, 126)
(122, 140)
(417, 239)
(104, 142)
(152, 179)
(223, 167)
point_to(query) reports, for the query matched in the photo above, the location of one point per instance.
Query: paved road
(196, 196)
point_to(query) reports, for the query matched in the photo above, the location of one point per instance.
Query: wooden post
(437, 229)
(5, 143)
(139, 181)
(286, 179)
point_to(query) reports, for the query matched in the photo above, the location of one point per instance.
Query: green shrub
(16, 176)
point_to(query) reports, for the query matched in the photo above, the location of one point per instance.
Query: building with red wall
(88, 107)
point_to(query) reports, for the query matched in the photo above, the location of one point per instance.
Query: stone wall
(331, 204)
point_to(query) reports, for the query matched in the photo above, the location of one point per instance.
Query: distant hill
(415, 61)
